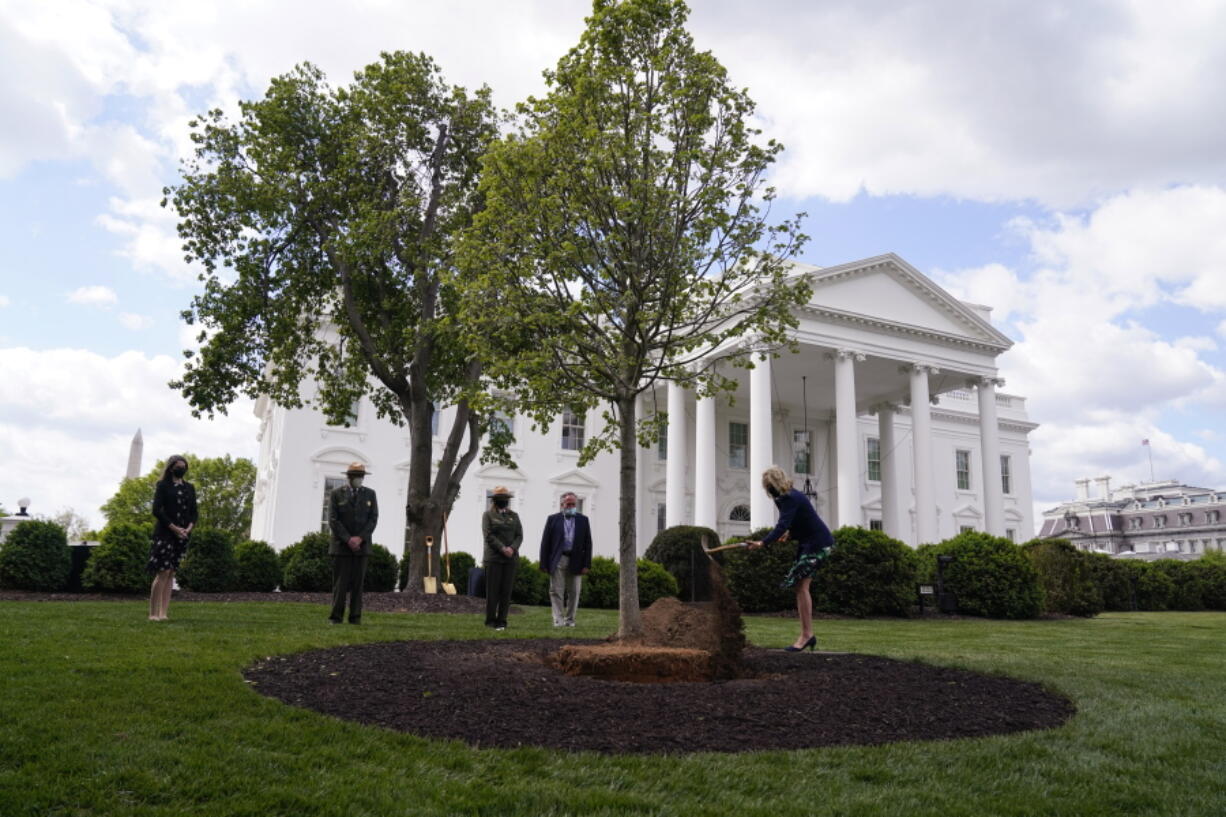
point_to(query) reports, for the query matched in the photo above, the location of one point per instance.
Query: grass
(104, 713)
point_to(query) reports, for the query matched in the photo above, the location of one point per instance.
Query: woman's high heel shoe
(810, 645)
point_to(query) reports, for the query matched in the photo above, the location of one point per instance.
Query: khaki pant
(564, 589)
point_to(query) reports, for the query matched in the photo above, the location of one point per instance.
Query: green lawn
(102, 712)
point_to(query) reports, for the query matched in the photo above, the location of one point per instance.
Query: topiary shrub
(1066, 576)
(309, 569)
(1187, 589)
(35, 556)
(209, 565)
(257, 567)
(531, 585)
(867, 574)
(380, 570)
(461, 563)
(1152, 588)
(655, 582)
(679, 550)
(753, 577)
(119, 563)
(600, 585)
(990, 575)
(1113, 579)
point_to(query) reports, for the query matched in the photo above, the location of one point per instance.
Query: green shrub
(1066, 576)
(119, 563)
(257, 567)
(1113, 579)
(309, 569)
(1152, 587)
(1187, 590)
(753, 577)
(679, 550)
(655, 582)
(599, 588)
(990, 575)
(867, 574)
(1212, 570)
(531, 586)
(209, 565)
(380, 570)
(35, 556)
(461, 563)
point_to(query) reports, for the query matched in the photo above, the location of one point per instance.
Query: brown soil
(372, 602)
(504, 693)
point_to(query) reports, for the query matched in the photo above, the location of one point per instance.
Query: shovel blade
(449, 588)
(430, 584)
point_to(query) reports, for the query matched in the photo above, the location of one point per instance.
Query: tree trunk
(628, 621)
(423, 517)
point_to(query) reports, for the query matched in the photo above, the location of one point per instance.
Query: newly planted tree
(325, 219)
(625, 238)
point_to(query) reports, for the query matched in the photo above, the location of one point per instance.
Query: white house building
(904, 430)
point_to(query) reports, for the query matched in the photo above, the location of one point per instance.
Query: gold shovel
(448, 587)
(430, 584)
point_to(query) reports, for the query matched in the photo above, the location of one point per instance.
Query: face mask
(179, 470)
(355, 482)
(570, 511)
(501, 502)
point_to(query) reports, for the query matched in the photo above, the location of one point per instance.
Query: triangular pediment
(574, 477)
(500, 473)
(888, 290)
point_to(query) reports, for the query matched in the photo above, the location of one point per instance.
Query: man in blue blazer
(566, 555)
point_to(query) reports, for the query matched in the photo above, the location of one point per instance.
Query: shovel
(430, 584)
(448, 587)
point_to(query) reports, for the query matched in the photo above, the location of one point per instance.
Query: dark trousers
(499, 579)
(348, 573)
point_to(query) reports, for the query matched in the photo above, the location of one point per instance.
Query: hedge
(257, 569)
(309, 568)
(119, 562)
(380, 570)
(601, 585)
(531, 585)
(753, 577)
(1152, 587)
(35, 556)
(1113, 578)
(461, 563)
(1067, 577)
(990, 575)
(866, 574)
(1187, 587)
(679, 550)
(209, 565)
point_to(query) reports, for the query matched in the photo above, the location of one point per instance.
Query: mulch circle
(501, 693)
(371, 602)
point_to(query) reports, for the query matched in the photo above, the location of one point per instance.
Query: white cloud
(130, 320)
(67, 417)
(96, 295)
(4, 301)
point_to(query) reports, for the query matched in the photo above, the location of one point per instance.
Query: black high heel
(810, 645)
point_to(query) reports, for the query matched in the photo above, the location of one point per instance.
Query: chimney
(1083, 490)
(1104, 487)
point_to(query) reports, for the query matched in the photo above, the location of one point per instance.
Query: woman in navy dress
(799, 522)
(174, 508)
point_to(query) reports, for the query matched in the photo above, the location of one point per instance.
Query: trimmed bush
(1212, 570)
(461, 563)
(654, 582)
(1066, 576)
(1113, 579)
(35, 556)
(531, 585)
(599, 588)
(990, 575)
(1152, 587)
(679, 550)
(258, 568)
(119, 563)
(1187, 590)
(867, 574)
(380, 570)
(753, 577)
(209, 565)
(309, 569)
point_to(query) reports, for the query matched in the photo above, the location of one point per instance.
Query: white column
(847, 438)
(891, 520)
(921, 439)
(705, 513)
(761, 444)
(674, 495)
(989, 448)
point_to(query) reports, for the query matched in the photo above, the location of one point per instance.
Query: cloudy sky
(1062, 162)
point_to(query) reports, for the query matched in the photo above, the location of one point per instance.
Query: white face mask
(355, 482)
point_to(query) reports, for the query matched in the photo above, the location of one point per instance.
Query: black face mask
(501, 502)
(179, 471)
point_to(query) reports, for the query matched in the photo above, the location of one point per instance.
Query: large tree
(325, 219)
(224, 489)
(626, 234)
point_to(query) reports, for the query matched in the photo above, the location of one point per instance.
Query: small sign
(927, 590)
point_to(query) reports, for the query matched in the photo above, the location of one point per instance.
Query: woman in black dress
(174, 508)
(798, 521)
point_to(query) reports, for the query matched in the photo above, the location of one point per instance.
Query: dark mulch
(376, 602)
(501, 694)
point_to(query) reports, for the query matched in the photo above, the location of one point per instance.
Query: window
(1135, 523)
(330, 485)
(739, 513)
(875, 524)
(662, 443)
(874, 459)
(1185, 519)
(966, 529)
(962, 467)
(434, 423)
(351, 418)
(661, 517)
(503, 423)
(1160, 521)
(572, 431)
(1213, 517)
(738, 445)
(802, 458)
(1011, 534)
(1006, 475)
